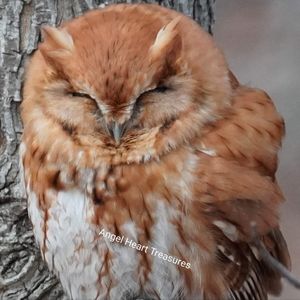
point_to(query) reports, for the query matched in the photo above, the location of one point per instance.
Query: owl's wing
(246, 274)
(251, 134)
(240, 189)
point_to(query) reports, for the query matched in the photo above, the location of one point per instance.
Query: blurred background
(261, 40)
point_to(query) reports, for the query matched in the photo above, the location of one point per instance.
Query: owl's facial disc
(128, 97)
(151, 84)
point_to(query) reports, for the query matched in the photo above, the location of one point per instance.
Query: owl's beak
(116, 131)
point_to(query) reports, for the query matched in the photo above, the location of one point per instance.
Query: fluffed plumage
(134, 124)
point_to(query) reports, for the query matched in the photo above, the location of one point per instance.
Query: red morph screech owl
(135, 127)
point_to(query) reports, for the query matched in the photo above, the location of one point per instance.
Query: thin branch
(272, 262)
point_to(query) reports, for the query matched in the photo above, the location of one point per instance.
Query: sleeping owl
(147, 163)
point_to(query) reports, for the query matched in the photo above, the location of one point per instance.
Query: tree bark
(23, 275)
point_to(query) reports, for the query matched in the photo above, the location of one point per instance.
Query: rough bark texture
(23, 275)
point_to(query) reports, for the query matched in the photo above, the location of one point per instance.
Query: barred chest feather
(148, 210)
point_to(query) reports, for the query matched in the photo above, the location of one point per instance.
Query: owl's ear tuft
(167, 41)
(57, 42)
(57, 38)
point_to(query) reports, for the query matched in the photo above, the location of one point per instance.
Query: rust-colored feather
(251, 132)
(241, 192)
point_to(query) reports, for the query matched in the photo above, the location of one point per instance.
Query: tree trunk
(23, 275)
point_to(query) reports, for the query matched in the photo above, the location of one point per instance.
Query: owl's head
(134, 81)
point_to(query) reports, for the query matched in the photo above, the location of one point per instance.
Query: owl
(147, 164)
